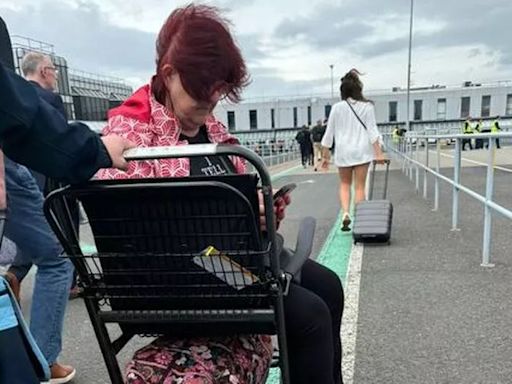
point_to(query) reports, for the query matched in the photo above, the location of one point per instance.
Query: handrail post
(411, 150)
(417, 157)
(456, 180)
(404, 153)
(438, 166)
(489, 190)
(404, 150)
(425, 179)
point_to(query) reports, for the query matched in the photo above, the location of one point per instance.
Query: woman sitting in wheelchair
(198, 64)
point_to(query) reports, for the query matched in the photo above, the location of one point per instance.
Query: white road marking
(350, 314)
(475, 162)
(310, 181)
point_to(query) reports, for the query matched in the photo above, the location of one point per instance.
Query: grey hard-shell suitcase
(373, 218)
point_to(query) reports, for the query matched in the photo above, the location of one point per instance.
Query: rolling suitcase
(373, 218)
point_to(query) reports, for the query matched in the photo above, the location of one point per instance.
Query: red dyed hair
(196, 42)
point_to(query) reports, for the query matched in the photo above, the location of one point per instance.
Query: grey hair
(31, 61)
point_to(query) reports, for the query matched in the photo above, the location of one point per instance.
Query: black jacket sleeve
(35, 134)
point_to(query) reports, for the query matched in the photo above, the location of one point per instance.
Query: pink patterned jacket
(148, 123)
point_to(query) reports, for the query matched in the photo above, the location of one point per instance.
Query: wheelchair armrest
(294, 260)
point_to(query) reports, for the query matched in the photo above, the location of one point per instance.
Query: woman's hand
(380, 159)
(326, 158)
(379, 155)
(280, 205)
(325, 164)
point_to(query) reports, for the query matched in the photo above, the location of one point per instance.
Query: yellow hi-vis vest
(494, 127)
(395, 135)
(467, 129)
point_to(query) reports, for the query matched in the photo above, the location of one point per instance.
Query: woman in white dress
(354, 131)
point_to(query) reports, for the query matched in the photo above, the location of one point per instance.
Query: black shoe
(345, 224)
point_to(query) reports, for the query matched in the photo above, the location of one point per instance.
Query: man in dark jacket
(40, 71)
(34, 133)
(303, 137)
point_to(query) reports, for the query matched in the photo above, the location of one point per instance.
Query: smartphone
(284, 190)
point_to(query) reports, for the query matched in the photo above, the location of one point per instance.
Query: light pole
(332, 81)
(407, 121)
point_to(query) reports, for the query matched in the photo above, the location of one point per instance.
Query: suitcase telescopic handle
(387, 162)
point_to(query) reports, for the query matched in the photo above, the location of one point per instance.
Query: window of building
(309, 115)
(486, 106)
(231, 121)
(253, 119)
(465, 104)
(272, 118)
(418, 109)
(441, 109)
(508, 108)
(327, 111)
(295, 122)
(393, 106)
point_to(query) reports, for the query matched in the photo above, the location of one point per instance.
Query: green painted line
(88, 249)
(335, 255)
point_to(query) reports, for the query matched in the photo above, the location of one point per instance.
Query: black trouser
(304, 153)
(466, 141)
(313, 313)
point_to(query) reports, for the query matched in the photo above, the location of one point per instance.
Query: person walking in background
(353, 127)
(303, 137)
(317, 133)
(311, 157)
(495, 128)
(467, 129)
(479, 143)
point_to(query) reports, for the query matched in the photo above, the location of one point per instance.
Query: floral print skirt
(242, 359)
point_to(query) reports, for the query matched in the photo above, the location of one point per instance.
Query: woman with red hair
(198, 63)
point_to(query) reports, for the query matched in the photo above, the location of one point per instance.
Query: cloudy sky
(289, 44)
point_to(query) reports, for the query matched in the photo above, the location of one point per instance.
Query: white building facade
(436, 103)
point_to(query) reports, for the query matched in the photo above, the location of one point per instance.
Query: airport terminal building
(434, 104)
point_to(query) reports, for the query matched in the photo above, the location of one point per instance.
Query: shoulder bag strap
(358, 118)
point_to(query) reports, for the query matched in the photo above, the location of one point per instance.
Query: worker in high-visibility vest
(395, 135)
(495, 128)
(467, 129)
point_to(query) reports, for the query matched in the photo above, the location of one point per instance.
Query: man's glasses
(53, 69)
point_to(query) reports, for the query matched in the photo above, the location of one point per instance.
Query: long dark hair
(351, 86)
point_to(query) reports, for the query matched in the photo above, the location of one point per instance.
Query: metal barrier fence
(407, 149)
(277, 153)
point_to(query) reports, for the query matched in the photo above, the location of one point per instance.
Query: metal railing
(276, 153)
(407, 149)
